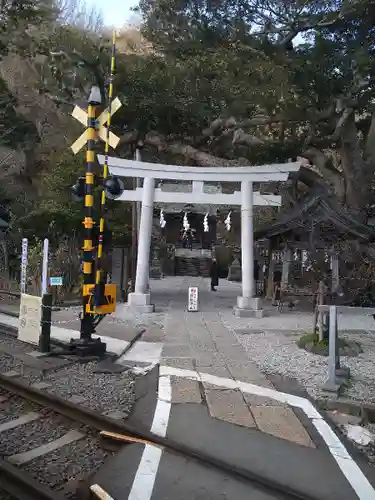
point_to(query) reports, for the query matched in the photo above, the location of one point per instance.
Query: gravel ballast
(32, 435)
(15, 407)
(99, 392)
(68, 462)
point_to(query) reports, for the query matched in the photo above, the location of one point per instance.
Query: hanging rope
(99, 270)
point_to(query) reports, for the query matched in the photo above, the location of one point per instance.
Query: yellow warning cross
(81, 115)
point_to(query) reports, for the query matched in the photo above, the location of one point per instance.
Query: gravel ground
(7, 362)
(102, 392)
(56, 468)
(14, 407)
(14, 343)
(277, 353)
(32, 435)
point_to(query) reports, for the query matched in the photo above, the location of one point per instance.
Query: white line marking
(22, 420)
(27, 456)
(143, 484)
(348, 466)
(144, 480)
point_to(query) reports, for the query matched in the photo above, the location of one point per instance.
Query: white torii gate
(247, 303)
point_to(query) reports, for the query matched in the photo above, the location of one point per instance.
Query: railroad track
(53, 476)
(45, 454)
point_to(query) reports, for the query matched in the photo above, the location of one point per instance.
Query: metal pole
(99, 276)
(87, 327)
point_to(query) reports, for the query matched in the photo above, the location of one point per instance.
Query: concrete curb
(364, 410)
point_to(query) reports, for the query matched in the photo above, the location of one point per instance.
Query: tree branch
(199, 157)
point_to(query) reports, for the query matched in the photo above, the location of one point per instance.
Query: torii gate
(247, 303)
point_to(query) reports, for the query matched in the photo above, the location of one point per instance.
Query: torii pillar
(141, 298)
(247, 304)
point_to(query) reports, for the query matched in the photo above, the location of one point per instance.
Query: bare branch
(190, 153)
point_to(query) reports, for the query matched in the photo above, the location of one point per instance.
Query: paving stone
(217, 369)
(248, 372)
(254, 400)
(184, 363)
(185, 391)
(207, 358)
(202, 345)
(41, 385)
(154, 334)
(176, 351)
(281, 422)
(228, 405)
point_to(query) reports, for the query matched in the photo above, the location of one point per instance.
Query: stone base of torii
(247, 304)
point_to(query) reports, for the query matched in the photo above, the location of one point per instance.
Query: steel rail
(21, 485)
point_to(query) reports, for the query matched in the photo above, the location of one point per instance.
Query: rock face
(52, 124)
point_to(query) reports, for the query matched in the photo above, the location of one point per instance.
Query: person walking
(214, 274)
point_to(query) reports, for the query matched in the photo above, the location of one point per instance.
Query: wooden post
(335, 270)
(287, 261)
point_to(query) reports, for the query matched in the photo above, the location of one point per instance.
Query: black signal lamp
(114, 187)
(78, 189)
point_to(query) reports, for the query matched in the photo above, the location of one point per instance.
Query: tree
(277, 96)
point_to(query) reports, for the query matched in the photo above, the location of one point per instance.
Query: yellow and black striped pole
(99, 275)
(87, 327)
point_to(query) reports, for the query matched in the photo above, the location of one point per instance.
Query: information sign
(193, 299)
(30, 319)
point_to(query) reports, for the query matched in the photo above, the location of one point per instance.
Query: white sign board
(30, 319)
(193, 299)
(24, 265)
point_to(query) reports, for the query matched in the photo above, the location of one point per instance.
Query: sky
(115, 12)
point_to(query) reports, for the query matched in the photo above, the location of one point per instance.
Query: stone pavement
(201, 341)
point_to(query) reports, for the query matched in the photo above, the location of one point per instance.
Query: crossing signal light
(114, 187)
(78, 189)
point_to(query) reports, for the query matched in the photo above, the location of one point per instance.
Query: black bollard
(45, 333)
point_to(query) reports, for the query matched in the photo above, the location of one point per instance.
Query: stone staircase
(193, 266)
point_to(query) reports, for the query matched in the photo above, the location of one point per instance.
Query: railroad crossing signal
(81, 115)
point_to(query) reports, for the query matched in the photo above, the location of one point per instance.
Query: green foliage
(307, 339)
(233, 60)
